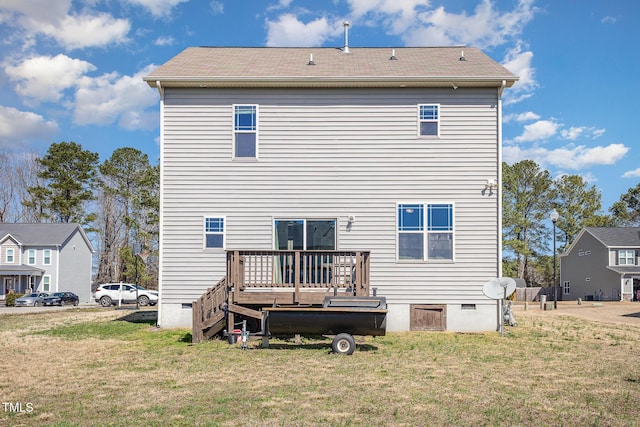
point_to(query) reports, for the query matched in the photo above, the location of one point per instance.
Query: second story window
(245, 131)
(429, 119)
(47, 257)
(31, 256)
(626, 257)
(10, 256)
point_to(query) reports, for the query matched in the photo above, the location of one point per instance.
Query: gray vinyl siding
(74, 265)
(585, 267)
(331, 154)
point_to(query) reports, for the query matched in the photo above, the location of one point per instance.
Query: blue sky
(72, 71)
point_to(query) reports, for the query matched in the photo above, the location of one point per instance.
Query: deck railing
(262, 274)
(209, 311)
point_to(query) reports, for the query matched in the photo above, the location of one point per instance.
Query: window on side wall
(46, 283)
(425, 232)
(626, 257)
(214, 232)
(245, 131)
(47, 257)
(566, 287)
(428, 120)
(31, 256)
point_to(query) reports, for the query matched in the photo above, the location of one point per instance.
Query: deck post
(296, 278)
(358, 280)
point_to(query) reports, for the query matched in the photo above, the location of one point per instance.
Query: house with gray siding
(45, 258)
(393, 152)
(602, 264)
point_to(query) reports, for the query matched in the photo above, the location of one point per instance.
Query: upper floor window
(31, 256)
(626, 257)
(47, 257)
(245, 131)
(214, 232)
(10, 256)
(425, 233)
(428, 119)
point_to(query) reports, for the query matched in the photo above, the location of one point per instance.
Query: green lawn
(88, 368)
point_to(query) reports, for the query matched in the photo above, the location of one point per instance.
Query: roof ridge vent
(346, 37)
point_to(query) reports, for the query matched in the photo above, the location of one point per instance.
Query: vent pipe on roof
(346, 37)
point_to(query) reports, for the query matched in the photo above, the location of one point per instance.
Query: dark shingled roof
(38, 234)
(251, 66)
(616, 236)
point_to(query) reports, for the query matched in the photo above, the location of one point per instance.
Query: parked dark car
(61, 298)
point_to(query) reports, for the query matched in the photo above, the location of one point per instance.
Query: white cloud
(164, 41)
(19, 127)
(632, 174)
(289, 31)
(522, 117)
(540, 130)
(44, 78)
(57, 21)
(519, 63)
(574, 132)
(217, 7)
(420, 25)
(609, 20)
(570, 157)
(112, 98)
(75, 32)
(157, 8)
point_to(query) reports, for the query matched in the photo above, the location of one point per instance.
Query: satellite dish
(499, 288)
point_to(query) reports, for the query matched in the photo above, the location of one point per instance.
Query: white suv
(109, 294)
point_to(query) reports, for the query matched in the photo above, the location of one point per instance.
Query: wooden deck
(265, 278)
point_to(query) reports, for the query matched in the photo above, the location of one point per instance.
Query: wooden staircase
(210, 311)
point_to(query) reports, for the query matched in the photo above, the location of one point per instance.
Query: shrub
(10, 299)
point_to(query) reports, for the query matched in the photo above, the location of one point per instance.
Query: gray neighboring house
(602, 264)
(392, 151)
(45, 257)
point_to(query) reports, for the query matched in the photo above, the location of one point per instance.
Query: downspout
(499, 225)
(161, 195)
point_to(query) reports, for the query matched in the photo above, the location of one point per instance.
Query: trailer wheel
(343, 344)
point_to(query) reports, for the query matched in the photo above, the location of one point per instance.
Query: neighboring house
(45, 257)
(396, 152)
(602, 264)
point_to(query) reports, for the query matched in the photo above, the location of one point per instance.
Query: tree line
(116, 202)
(529, 195)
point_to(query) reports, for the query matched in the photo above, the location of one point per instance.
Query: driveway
(22, 310)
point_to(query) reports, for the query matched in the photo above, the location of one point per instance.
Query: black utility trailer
(340, 317)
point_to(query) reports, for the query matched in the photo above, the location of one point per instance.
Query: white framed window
(46, 283)
(31, 256)
(428, 120)
(245, 131)
(566, 287)
(626, 257)
(425, 231)
(46, 257)
(10, 256)
(214, 236)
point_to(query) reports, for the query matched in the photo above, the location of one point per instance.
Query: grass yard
(91, 368)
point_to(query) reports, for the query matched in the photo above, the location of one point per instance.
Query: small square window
(429, 119)
(214, 232)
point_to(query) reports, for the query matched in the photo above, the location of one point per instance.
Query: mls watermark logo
(17, 407)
